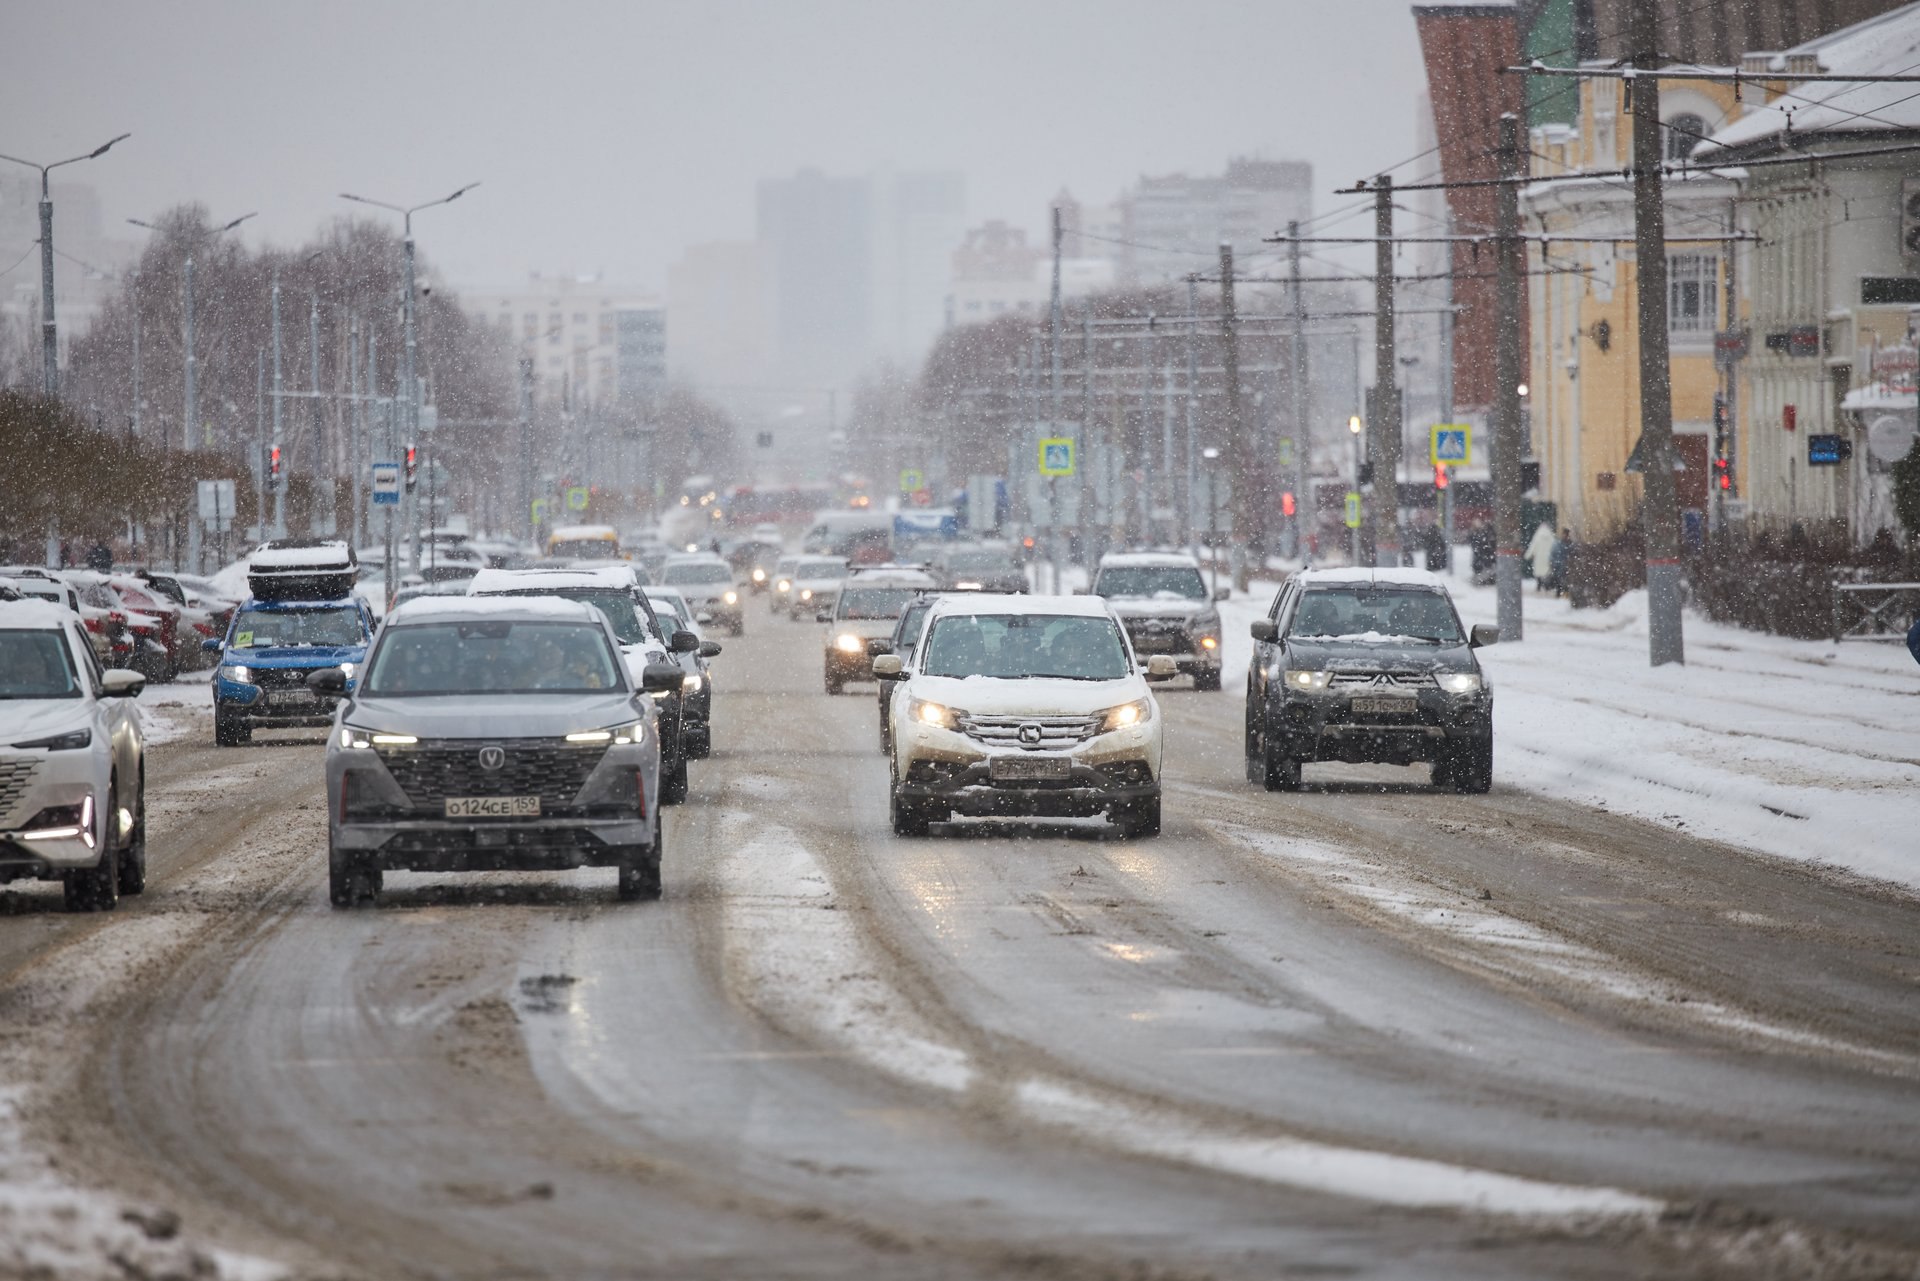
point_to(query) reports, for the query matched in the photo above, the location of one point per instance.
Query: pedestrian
(1562, 557)
(1540, 554)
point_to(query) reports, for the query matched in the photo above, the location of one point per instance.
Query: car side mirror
(888, 667)
(328, 680)
(684, 642)
(1223, 593)
(878, 646)
(660, 678)
(709, 649)
(1162, 667)
(210, 645)
(1264, 629)
(1483, 634)
(823, 617)
(121, 683)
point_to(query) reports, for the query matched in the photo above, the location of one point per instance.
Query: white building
(570, 326)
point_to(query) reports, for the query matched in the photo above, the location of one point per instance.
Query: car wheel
(673, 782)
(640, 870)
(97, 888)
(1278, 771)
(1206, 680)
(699, 747)
(133, 859)
(230, 730)
(350, 881)
(1468, 767)
(1139, 819)
(908, 819)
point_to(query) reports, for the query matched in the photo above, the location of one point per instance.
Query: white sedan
(1024, 706)
(72, 761)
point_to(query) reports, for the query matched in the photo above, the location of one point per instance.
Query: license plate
(289, 696)
(1031, 767)
(1385, 706)
(493, 807)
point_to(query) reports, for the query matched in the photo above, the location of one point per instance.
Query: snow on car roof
(309, 556)
(991, 603)
(1372, 577)
(570, 533)
(444, 608)
(1166, 559)
(34, 614)
(527, 580)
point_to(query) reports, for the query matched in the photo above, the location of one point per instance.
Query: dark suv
(1363, 665)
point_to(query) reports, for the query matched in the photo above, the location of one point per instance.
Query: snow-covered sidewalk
(1802, 749)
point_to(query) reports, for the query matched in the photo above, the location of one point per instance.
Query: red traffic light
(1287, 505)
(413, 465)
(1440, 478)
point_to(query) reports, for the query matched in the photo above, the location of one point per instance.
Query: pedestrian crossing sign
(911, 479)
(1353, 509)
(1451, 445)
(1056, 456)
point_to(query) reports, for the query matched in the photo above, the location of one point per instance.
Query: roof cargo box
(301, 569)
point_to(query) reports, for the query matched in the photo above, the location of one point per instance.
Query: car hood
(492, 716)
(25, 719)
(1372, 656)
(865, 628)
(295, 656)
(1159, 607)
(1041, 696)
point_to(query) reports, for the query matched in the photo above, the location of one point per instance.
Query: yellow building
(1585, 393)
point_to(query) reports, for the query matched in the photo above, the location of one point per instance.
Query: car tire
(96, 888)
(1140, 819)
(1467, 767)
(640, 869)
(700, 747)
(673, 782)
(230, 730)
(908, 819)
(133, 859)
(1206, 680)
(350, 881)
(1278, 771)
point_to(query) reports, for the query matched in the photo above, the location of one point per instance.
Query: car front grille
(1359, 682)
(431, 772)
(15, 775)
(1159, 634)
(281, 677)
(1042, 733)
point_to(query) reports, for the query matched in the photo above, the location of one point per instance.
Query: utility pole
(1383, 435)
(280, 490)
(357, 470)
(1053, 405)
(260, 440)
(1193, 393)
(526, 449)
(1302, 433)
(1446, 396)
(1506, 396)
(136, 352)
(1147, 468)
(1242, 465)
(191, 375)
(322, 465)
(1660, 504)
(1089, 489)
(410, 389)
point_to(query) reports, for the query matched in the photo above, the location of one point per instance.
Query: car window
(1020, 646)
(89, 661)
(820, 569)
(267, 628)
(36, 663)
(875, 602)
(1366, 612)
(691, 575)
(1179, 582)
(493, 656)
(619, 607)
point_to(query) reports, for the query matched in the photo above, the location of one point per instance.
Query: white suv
(1024, 706)
(72, 773)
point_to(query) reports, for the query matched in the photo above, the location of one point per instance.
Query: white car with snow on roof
(1027, 707)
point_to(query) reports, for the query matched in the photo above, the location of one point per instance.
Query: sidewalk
(1801, 749)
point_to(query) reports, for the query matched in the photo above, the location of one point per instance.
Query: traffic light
(1723, 472)
(413, 467)
(1366, 474)
(1287, 505)
(273, 468)
(1440, 480)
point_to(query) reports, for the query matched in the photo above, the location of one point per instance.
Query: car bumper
(255, 704)
(1323, 728)
(430, 845)
(948, 768)
(56, 783)
(849, 667)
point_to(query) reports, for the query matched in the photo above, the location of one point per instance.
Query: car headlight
(346, 669)
(239, 673)
(732, 598)
(848, 643)
(1312, 682)
(72, 741)
(354, 736)
(1459, 682)
(759, 575)
(933, 714)
(631, 732)
(968, 586)
(1209, 642)
(784, 585)
(806, 593)
(1126, 715)
(692, 682)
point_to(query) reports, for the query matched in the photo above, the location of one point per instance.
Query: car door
(112, 717)
(1263, 650)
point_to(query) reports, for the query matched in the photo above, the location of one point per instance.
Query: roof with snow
(1885, 45)
(1165, 560)
(34, 614)
(985, 603)
(1371, 578)
(618, 575)
(306, 556)
(453, 609)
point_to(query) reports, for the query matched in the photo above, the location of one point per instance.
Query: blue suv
(301, 618)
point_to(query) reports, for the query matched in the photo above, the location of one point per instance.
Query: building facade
(1173, 224)
(569, 326)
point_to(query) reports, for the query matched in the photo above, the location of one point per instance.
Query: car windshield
(1016, 646)
(585, 549)
(36, 664)
(617, 605)
(491, 656)
(875, 602)
(1368, 613)
(693, 575)
(816, 569)
(1176, 582)
(272, 628)
(980, 563)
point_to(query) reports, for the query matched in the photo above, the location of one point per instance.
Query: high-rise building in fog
(1176, 223)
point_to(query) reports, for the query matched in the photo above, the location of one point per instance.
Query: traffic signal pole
(1507, 445)
(1383, 433)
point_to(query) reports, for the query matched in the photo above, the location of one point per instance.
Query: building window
(530, 322)
(1682, 134)
(1693, 293)
(579, 317)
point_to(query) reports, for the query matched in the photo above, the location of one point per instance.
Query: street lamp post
(49, 345)
(190, 374)
(1212, 456)
(409, 385)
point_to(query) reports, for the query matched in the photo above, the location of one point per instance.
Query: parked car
(1166, 608)
(72, 761)
(494, 733)
(1368, 665)
(1024, 706)
(42, 585)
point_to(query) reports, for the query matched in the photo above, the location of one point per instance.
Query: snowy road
(1365, 1030)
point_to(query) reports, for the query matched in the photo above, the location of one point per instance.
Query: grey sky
(610, 134)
